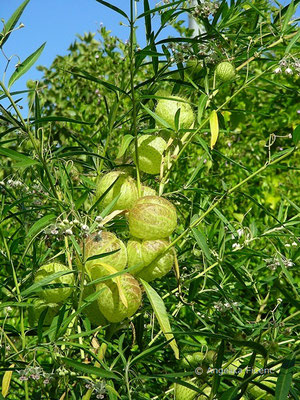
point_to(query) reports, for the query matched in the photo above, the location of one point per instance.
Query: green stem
(19, 297)
(233, 189)
(26, 130)
(111, 118)
(205, 122)
(280, 40)
(133, 99)
(127, 379)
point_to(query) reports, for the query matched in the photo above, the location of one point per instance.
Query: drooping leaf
(39, 225)
(147, 20)
(89, 369)
(126, 140)
(201, 106)
(157, 117)
(284, 380)
(6, 381)
(85, 75)
(117, 9)
(288, 15)
(296, 135)
(45, 281)
(60, 119)
(23, 161)
(201, 240)
(214, 128)
(157, 9)
(160, 311)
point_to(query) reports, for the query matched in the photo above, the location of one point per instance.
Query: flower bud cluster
(205, 9)
(273, 263)
(184, 52)
(99, 388)
(36, 374)
(67, 227)
(289, 66)
(163, 3)
(243, 237)
(14, 184)
(223, 307)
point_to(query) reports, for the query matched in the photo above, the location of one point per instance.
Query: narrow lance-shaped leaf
(157, 9)
(57, 118)
(289, 13)
(218, 365)
(201, 106)
(147, 19)
(292, 43)
(26, 65)
(284, 380)
(89, 369)
(44, 282)
(40, 224)
(160, 311)
(157, 118)
(117, 9)
(6, 381)
(214, 128)
(85, 75)
(23, 161)
(296, 135)
(126, 140)
(201, 240)
(11, 23)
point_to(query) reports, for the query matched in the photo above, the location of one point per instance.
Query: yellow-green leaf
(6, 381)
(160, 311)
(214, 128)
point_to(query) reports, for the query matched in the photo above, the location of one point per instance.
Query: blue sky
(57, 22)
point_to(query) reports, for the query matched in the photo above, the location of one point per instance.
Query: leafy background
(236, 299)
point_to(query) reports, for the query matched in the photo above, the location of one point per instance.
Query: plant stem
(26, 130)
(127, 379)
(19, 297)
(280, 40)
(205, 122)
(233, 189)
(133, 99)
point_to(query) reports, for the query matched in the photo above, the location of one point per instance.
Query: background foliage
(237, 296)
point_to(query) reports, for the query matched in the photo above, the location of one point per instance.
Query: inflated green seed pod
(167, 109)
(187, 361)
(124, 185)
(110, 302)
(35, 311)
(150, 151)
(58, 294)
(152, 217)
(210, 357)
(184, 393)
(225, 71)
(198, 357)
(258, 392)
(100, 243)
(149, 258)
(92, 311)
(147, 191)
